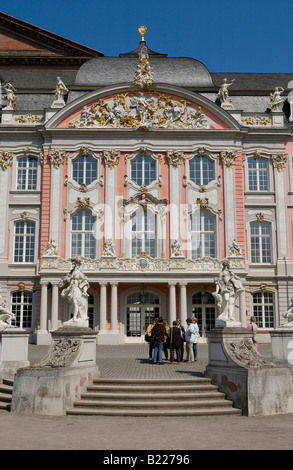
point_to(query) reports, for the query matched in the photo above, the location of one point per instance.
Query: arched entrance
(140, 310)
(204, 309)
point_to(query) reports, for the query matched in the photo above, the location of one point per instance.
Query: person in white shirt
(195, 337)
(191, 337)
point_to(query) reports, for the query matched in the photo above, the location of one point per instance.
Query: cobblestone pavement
(131, 361)
(109, 435)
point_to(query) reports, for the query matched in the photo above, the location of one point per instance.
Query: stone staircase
(143, 397)
(6, 388)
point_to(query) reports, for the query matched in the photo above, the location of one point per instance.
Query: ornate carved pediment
(142, 109)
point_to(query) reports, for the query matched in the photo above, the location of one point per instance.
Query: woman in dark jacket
(159, 332)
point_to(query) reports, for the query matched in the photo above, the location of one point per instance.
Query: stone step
(130, 404)
(6, 388)
(159, 396)
(148, 397)
(213, 411)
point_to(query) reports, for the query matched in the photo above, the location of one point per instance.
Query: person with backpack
(159, 332)
(175, 341)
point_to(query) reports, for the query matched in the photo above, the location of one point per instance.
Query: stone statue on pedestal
(228, 288)
(77, 295)
(289, 314)
(6, 317)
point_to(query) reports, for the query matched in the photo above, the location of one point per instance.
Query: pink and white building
(152, 170)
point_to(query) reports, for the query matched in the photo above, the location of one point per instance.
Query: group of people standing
(162, 337)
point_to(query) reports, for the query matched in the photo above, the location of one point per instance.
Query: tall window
(258, 174)
(203, 234)
(22, 307)
(24, 242)
(261, 248)
(84, 169)
(263, 309)
(143, 233)
(201, 170)
(27, 172)
(143, 170)
(83, 241)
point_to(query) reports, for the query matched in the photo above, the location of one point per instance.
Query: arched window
(143, 233)
(84, 169)
(203, 234)
(24, 242)
(143, 170)
(201, 170)
(258, 174)
(27, 173)
(22, 307)
(263, 309)
(83, 242)
(260, 242)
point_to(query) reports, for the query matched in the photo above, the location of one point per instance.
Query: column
(103, 308)
(44, 307)
(242, 306)
(114, 308)
(55, 307)
(42, 336)
(183, 305)
(172, 303)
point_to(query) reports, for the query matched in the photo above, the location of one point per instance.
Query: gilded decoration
(175, 157)
(29, 119)
(144, 73)
(279, 160)
(111, 157)
(257, 120)
(57, 157)
(6, 159)
(148, 110)
(228, 158)
(83, 203)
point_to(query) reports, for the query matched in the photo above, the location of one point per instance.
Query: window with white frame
(143, 233)
(83, 241)
(143, 170)
(203, 234)
(258, 174)
(22, 307)
(24, 242)
(27, 173)
(84, 169)
(261, 242)
(263, 309)
(201, 170)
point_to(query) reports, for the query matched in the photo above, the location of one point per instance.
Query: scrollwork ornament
(279, 160)
(175, 157)
(111, 157)
(228, 158)
(57, 157)
(6, 159)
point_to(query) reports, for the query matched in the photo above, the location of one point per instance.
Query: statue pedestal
(219, 323)
(255, 385)
(282, 345)
(13, 351)
(51, 387)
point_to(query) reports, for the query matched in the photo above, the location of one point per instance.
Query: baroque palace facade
(152, 171)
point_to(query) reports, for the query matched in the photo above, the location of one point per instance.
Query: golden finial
(142, 30)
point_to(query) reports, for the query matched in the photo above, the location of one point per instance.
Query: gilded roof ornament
(142, 30)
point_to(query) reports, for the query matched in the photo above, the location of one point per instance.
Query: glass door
(204, 309)
(141, 309)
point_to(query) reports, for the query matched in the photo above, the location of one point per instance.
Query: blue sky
(226, 35)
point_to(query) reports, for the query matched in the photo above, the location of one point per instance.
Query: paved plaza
(106, 434)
